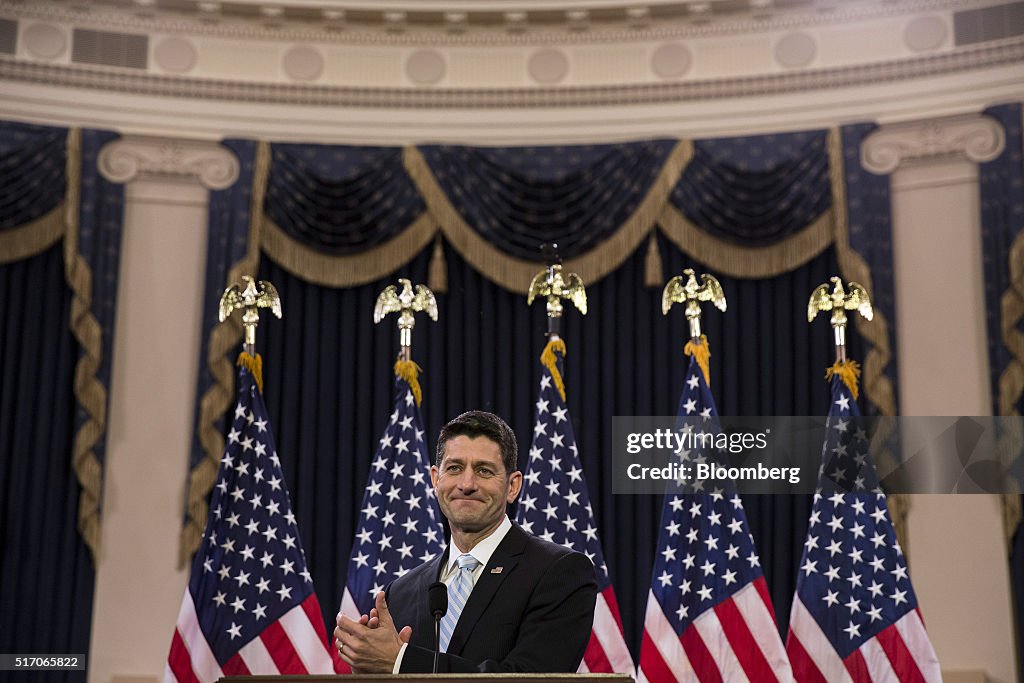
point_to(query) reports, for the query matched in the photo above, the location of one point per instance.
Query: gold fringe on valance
(217, 399)
(410, 372)
(437, 278)
(877, 387)
(734, 260)
(548, 360)
(90, 393)
(654, 276)
(33, 237)
(328, 270)
(515, 274)
(702, 354)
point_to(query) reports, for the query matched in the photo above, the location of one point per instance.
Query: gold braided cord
(33, 237)
(747, 262)
(550, 361)
(515, 274)
(1011, 380)
(410, 372)
(90, 393)
(217, 399)
(346, 271)
(877, 387)
(702, 354)
(254, 364)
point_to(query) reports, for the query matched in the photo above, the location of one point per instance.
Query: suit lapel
(505, 556)
(424, 620)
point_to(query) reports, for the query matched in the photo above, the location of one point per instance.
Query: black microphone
(437, 598)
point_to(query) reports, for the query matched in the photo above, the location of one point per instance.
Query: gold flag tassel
(700, 350)
(848, 371)
(548, 360)
(410, 372)
(254, 364)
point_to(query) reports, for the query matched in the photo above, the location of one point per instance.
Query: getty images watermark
(788, 454)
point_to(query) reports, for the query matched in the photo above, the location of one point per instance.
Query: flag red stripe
(699, 655)
(613, 605)
(235, 667)
(804, 668)
(180, 662)
(762, 589)
(311, 606)
(744, 646)
(281, 650)
(654, 667)
(597, 661)
(903, 662)
(857, 667)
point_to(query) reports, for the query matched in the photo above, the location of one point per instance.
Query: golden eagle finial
(410, 300)
(852, 298)
(555, 285)
(679, 290)
(250, 299)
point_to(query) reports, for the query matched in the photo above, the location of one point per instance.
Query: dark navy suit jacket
(532, 610)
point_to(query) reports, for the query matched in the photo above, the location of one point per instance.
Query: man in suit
(515, 602)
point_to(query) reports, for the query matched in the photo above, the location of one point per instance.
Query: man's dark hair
(477, 423)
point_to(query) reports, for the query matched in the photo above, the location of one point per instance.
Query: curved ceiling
(499, 67)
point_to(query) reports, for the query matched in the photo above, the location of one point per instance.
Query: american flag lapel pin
(496, 570)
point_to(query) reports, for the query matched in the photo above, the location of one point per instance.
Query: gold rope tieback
(253, 364)
(548, 360)
(409, 371)
(848, 371)
(702, 352)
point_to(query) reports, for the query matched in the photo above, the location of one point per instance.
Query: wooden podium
(435, 678)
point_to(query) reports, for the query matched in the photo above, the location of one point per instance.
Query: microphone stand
(437, 643)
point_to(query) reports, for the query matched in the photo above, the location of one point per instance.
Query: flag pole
(552, 284)
(839, 301)
(249, 298)
(684, 289)
(407, 302)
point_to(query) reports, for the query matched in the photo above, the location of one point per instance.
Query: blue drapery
(328, 368)
(756, 191)
(46, 570)
(1001, 189)
(518, 198)
(342, 200)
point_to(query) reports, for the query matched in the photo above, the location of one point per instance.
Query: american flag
(399, 525)
(558, 510)
(249, 607)
(709, 616)
(855, 616)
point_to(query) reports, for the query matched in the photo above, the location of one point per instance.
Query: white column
(958, 555)
(139, 586)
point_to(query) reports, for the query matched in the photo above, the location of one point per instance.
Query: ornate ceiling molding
(977, 138)
(138, 157)
(124, 81)
(514, 31)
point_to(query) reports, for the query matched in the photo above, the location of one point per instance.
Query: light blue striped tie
(458, 593)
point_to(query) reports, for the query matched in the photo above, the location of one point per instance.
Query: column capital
(134, 157)
(973, 137)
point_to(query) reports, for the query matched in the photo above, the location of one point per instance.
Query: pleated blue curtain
(48, 508)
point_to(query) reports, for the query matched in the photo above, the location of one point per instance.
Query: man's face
(471, 484)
